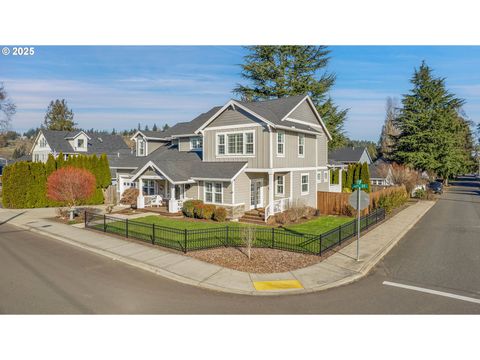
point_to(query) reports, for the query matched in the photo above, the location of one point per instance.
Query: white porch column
(271, 186)
(172, 203)
(340, 178)
(140, 198)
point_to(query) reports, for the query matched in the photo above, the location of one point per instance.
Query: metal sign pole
(358, 224)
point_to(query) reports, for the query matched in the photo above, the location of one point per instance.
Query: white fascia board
(214, 116)
(295, 107)
(293, 129)
(146, 166)
(319, 118)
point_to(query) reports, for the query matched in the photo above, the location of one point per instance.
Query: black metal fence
(231, 235)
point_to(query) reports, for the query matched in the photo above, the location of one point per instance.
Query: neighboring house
(342, 157)
(349, 155)
(74, 143)
(242, 156)
(380, 173)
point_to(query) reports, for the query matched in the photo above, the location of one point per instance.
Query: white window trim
(213, 192)
(308, 184)
(301, 136)
(144, 147)
(191, 143)
(284, 138)
(227, 154)
(319, 178)
(325, 176)
(276, 184)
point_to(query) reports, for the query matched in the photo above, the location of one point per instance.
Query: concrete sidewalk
(339, 269)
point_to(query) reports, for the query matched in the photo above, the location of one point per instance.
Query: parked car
(436, 187)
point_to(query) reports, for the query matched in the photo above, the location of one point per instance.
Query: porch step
(255, 216)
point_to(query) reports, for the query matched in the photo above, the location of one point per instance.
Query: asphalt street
(438, 261)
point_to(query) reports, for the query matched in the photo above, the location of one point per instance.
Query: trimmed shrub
(208, 211)
(393, 200)
(188, 207)
(220, 214)
(198, 209)
(129, 197)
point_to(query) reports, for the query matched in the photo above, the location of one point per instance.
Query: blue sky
(118, 87)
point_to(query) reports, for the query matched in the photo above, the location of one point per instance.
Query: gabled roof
(274, 110)
(97, 143)
(182, 166)
(347, 154)
(374, 168)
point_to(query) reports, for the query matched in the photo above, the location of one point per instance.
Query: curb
(365, 270)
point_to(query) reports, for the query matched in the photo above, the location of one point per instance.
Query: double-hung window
(280, 188)
(80, 143)
(325, 176)
(196, 143)
(237, 143)
(148, 187)
(280, 143)
(213, 192)
(301, 145)
(221, 144)
(319, 176)
(304, 184)
(141, 147)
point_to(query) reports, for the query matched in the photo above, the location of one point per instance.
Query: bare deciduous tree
(249, 233)
(7, 110)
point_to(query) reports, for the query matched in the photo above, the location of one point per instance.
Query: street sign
(364, 200)
(358, 185)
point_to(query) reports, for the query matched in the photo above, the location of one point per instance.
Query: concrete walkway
(339, 269)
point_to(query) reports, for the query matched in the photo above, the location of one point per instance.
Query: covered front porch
(156, 191)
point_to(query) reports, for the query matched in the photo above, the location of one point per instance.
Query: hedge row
(354, 172)
(24, 183)
(197, 209)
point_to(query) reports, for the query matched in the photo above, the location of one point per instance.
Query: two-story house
(75, 143)
(242, 156)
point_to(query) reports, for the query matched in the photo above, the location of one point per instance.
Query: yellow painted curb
(277, 285)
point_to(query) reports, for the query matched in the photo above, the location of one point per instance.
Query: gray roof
(374, 168)
(274, 110)
(346, 154)
(188, 128)
(183, 166)
(98, 143)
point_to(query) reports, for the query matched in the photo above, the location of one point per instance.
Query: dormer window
(196, 143)
(141, 147)
(80, 143)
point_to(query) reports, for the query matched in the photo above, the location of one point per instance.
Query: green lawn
(201, 235)
(320, 225)
(316, 226)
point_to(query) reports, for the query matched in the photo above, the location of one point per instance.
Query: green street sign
(358, 185)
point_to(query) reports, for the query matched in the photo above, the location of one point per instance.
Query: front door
(256, 193)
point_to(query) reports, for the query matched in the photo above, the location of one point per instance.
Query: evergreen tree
(147, 128)
(154, 128)
(389, 131)
(105, 178)
(344, 179)
(139, 127)
(59, 116)
(430, 132)
(60, 161)
(356, 172)
(365, 175)
(165, 127)
(280, 71)
(350, 171)
(50, 165)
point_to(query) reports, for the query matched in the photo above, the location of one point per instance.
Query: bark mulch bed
(262, 260)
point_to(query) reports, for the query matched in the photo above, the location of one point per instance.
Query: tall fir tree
(280, 71)
(59, 116)
(430, 132)
(50, 165)
(389, 130)
(154, 128)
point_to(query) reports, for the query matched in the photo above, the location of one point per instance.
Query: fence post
(85, 218)
(273, 238)
(104, 223)
(320, 242)
(126, 228)
(339, 234)
(185, 240)
(153, 234)
(226, 240)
